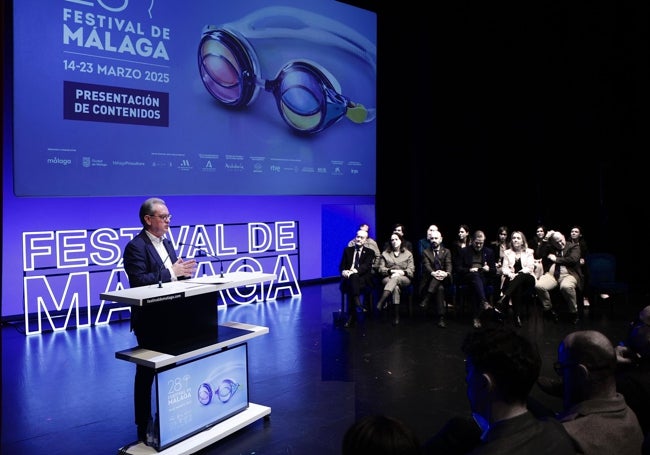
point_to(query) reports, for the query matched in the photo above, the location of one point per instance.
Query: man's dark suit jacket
(467, 255)
(365, 263)
(570, 259)
(428, 259)
(143, 264)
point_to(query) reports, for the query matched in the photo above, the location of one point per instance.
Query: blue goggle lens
(220, 72)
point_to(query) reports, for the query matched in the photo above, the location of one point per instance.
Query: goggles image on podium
(236, 58)
(196, 395)
(223, 392)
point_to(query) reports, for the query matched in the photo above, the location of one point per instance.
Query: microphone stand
(160, 271)
(203, 252)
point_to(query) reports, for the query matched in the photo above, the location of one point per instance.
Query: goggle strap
(288, 22)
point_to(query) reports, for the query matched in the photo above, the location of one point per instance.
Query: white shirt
(162, 252)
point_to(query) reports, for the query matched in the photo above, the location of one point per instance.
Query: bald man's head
(590, 348)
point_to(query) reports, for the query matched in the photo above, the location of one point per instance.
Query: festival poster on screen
(197, 97)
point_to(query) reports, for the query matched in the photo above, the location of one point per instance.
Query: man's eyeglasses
(164, 217)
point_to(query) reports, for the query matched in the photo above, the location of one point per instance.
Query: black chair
(460, 296)
(602, 278)
(367, 298)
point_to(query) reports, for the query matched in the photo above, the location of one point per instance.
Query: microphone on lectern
(160, 271)
(201, 249)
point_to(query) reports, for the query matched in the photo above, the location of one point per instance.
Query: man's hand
(184, 267)
(439, 275)
(347, 273)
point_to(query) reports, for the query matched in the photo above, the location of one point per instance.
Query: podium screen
(197, 395)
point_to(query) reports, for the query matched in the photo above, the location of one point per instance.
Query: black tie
(357, 254)
(436, 260)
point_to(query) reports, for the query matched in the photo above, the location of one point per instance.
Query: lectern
(201, 368)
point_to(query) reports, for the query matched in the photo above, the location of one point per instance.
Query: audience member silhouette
(356, 274)
(476, 269)
(594, 414)
(436, 275)
(540, 233)
(501, 367)
(400, 229)
(555, 252)
(518, 279)
(396, 269)
(462, 241)
(425, 243)
(458, 436)
(499, 246)
(380, 435)
(633, 371)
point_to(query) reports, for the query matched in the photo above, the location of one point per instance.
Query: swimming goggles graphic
(224, 392)
(307, 95)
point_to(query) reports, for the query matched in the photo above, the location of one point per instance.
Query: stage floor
(66, 393)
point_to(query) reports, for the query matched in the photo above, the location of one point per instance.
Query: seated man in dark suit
(477, 269)
(436, 273)
(355, 268)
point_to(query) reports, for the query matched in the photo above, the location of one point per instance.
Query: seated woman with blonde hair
(518, 278)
